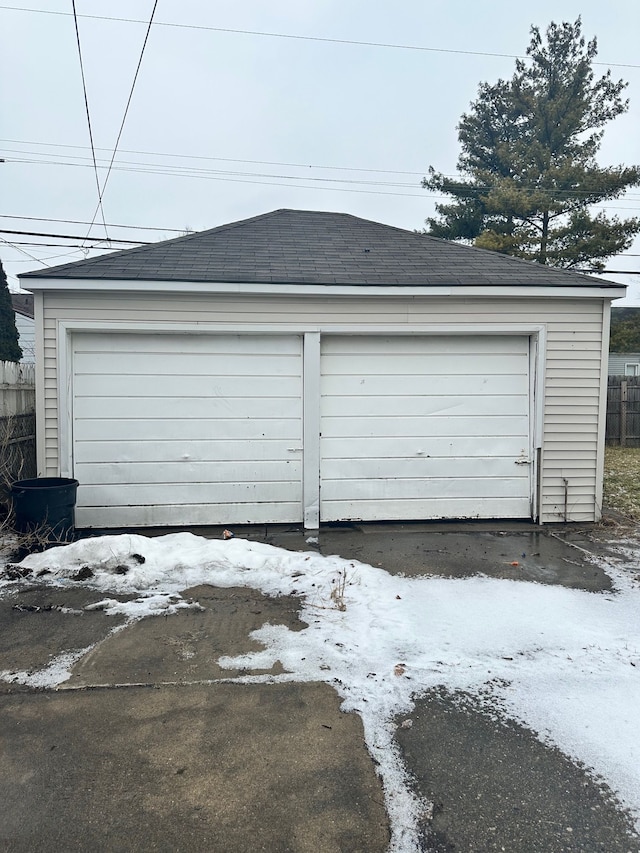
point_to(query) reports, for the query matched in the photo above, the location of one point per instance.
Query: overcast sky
(228, 125)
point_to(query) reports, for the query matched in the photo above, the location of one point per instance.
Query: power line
(229, 159)
(177, 168)
(67, 246)
(83, 249)
(124, 117)
(614, 272)
(195, 171)
(86, 222)
(69, 237)
(28, 254)
(249, 178)
(214, 177)
(295, 36)
(86, 107)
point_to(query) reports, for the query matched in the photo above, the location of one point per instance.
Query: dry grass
(622, 480)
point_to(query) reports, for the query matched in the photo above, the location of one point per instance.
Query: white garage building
(307, 366)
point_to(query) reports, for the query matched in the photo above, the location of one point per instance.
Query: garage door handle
(294, 450)
(522, 462)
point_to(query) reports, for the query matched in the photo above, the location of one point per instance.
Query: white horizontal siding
(572, 370)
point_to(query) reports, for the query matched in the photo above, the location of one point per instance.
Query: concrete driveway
(145, 748)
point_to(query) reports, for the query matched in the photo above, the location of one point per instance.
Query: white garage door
(424, 427)
(187, 429)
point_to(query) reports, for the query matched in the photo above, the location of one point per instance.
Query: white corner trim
(539, 386)
(266, 328)
(65, 400)
(41, 450)
(602, 409)
(311, 430)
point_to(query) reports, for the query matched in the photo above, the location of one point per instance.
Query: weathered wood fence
(17, 424)
(623, 411)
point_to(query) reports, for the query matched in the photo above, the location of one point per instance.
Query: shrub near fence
(17, 424)
(623, 411)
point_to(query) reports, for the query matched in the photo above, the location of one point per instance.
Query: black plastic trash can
(46, 504)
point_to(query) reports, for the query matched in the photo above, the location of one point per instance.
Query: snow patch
(564, 662)
(57, 671)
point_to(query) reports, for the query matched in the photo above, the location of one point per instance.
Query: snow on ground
(565, 663)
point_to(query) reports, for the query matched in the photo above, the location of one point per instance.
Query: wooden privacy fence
(623, 411)
(17, 424)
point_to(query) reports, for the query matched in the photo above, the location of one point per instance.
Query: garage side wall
(568, 475)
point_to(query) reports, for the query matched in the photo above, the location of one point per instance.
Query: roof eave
(591, 288)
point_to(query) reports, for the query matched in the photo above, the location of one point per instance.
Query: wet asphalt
(145, 749)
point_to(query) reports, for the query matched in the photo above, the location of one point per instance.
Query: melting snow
(566, 663)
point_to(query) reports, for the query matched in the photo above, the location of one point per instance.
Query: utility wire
(250, 178)
(67, 246)
(86, 107)
(195, 171)
(124, 117)
(226, 179)
(28, 254)
(266, 163)
(83, 249)
(294, 36)
(230, 159)
(68, 237)
(85, 222)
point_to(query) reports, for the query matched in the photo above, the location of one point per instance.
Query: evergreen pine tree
(9, 347)
(528, 158)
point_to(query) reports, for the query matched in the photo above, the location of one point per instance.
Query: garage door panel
(147, 406)
(190, 472)
(425, 405)
(400, 447)
(225, 408)
(423, 427)
(190, 386)
(439, 385)
(408, 423)
(122, 430)
(402, 510)
(159, 343)
(181, 515)
(152, 494)
(436, 345)
(418, 467)
(180, 450)
(426, 364)
(185, 364)
(416, 488)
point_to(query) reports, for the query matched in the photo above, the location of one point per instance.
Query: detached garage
(306, 366)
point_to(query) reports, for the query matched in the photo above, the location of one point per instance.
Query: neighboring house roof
(23, 304)
(310, 247)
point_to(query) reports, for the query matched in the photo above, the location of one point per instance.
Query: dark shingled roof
(23, 304)
(310, 247)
